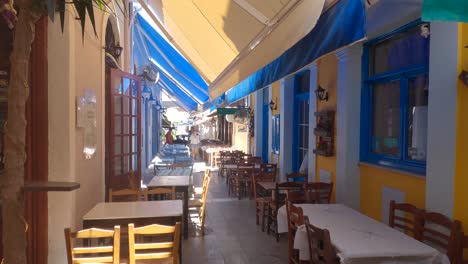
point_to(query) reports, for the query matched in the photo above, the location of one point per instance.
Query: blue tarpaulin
(339, 26)
(177, 73)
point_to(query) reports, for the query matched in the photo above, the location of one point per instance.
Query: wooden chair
(165, 250)
(262, 202)
(321, 250)
(202, 214)
(240, 179)
(442, 233)
(295, 219)
(410, 222)
(319, 192)
(166, 192)
(124, 195)
(255, 160)
(198, 191)
(199, 203)
(93, 254)
(298, 197)
(279, 197)
(297, 177)
(267, 172)
(463, 246)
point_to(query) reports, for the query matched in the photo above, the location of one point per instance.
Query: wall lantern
(117, 51)
(160, 108)
(151, 99)
(321, 94)
(146, 92)
(464, 77)
(273, 105)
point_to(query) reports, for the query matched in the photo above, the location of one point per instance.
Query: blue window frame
(275, 134)
(301, 118)
(395, 99)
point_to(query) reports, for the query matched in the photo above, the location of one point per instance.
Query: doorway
(123, 122)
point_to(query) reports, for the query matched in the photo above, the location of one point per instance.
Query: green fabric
(227, 111)
(445, 10)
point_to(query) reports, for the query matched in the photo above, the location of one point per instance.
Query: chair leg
(256, 213)
(263, 216)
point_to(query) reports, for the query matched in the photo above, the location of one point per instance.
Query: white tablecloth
(360, 239)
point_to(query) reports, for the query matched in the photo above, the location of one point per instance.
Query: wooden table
(107, 215)
(181, 184)
(360, 239)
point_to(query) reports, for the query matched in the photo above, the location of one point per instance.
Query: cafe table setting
(360, 239)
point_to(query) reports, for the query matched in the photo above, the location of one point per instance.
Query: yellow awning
(228, 40)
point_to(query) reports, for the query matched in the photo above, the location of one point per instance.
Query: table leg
(186, 216)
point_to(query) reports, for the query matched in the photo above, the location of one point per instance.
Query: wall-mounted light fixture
(146, 91)
(151, 99)
(273, 105)
(321, 94)
(117, 51)
(160, 108)
(464, 77)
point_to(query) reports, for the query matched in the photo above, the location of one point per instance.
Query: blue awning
(214, 103)
(179, 74)
(173, 90)
(341, 25)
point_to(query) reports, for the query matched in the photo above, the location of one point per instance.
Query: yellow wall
(373, 179)
(327, 78)
(461, 169)
(275, 97)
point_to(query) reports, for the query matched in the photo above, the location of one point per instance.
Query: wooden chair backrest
(296, 176)
(126, 194)
(93, 254)
(441, 232)
(298, 197)
(255, 160)
(245, 169)
(206, 185)
(295, 219)
(267, 172)
(319, 192)
(154, 250)
(321, 249)
(168, 191)
(412, 221)
(280, 188)
(295, 216)
(204, 198)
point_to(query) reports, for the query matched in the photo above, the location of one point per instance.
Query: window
(275, 134)
(395, 100)
(301, 118)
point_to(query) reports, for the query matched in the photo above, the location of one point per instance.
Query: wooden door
(123, 131)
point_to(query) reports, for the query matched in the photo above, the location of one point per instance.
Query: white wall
(286, 125)
(258, 124)
(74, 65)
(348, 126)
(442, 117)
(62, 136)
(312, 122)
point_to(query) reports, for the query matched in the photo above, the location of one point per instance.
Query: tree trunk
(14, 237)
